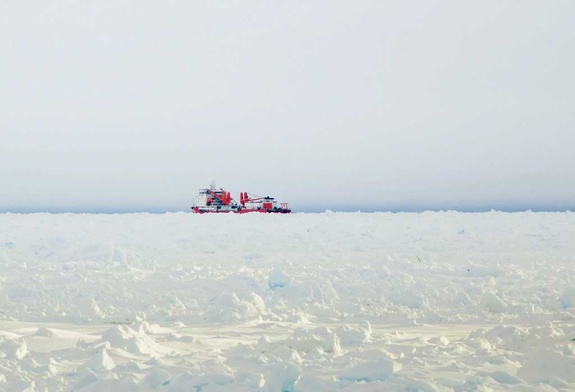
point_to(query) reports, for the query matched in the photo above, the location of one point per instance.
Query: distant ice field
(434, 301)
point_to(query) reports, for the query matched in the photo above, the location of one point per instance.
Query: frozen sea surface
(304, 302)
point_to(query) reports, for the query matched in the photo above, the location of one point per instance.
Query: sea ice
(442, 301)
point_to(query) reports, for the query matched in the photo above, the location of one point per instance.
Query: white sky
(325, 104)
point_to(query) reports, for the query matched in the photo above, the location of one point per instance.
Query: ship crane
(214, 200)
(254, 203)
(224, 197)
(245, 197)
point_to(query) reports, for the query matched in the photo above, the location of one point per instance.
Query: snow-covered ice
(435, 301)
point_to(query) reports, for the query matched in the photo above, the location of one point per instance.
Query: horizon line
(312, 210)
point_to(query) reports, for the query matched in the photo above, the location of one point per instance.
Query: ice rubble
(307, 302)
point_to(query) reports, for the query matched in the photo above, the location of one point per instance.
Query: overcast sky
(387, 105)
